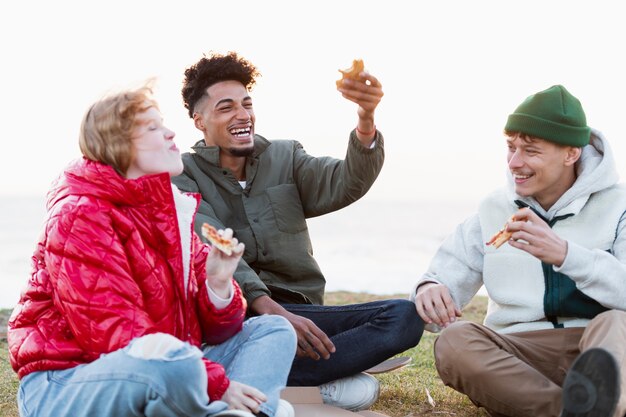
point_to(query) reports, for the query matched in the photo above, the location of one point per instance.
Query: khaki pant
(521, 374)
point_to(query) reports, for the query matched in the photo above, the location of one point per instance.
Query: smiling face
(226, 118)
(541, 169)
(153, 147)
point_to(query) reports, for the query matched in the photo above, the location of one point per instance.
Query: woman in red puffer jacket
(127, 312)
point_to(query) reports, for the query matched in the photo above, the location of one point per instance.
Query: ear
(572, 154)
(198, 122)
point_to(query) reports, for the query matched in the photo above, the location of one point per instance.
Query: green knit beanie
(554, 115)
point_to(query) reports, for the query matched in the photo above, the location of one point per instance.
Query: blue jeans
(363, 334)
(158, 375)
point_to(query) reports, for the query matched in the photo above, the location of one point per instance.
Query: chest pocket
(287, 208)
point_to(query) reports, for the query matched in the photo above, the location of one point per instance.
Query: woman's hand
(240, 396)
(220, 267)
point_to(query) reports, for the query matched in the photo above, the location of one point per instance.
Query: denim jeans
(363, 334)
(158, 375)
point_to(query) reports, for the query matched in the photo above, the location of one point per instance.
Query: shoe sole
(389, 365)
(591, 387)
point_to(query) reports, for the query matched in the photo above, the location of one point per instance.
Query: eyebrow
(230, 100)
(224, 100)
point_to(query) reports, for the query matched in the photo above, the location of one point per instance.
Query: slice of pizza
(352, 72)
(225, 245)
(500, 238)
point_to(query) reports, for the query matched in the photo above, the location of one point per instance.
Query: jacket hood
(595, 171)
(83, 177)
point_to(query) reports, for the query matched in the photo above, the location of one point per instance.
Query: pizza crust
(352, 72)
(500, 238)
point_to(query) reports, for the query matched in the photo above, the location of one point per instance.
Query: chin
(523, 193)
(176, 171)
(242, 151)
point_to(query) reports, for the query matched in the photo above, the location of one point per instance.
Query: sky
(451, 71)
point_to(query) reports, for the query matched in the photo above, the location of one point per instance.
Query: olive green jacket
(284, 186)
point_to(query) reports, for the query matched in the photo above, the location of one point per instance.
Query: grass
(403, 392)
(8, 378)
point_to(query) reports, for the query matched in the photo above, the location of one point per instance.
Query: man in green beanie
(554, 338)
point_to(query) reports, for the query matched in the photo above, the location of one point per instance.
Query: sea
(372, 246)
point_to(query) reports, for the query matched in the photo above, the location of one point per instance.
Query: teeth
(521, 177)
(241, 131)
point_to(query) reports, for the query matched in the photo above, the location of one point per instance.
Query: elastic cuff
(254, 294)
(218, 301)
(356, 144)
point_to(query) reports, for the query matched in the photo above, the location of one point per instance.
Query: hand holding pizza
(222, 260)
(362, 88)
(532, 234)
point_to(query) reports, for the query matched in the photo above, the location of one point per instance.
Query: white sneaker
(284, 409)
(354, 393)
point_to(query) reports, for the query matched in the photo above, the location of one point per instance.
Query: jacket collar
(86, 177)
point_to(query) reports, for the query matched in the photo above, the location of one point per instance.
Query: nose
(169, 134)
(243, 114)
(515, 160)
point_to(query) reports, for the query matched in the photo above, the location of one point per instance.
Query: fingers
(239, 248)
(315, 345)
(533, 235)
(435, 305)
(246, 403)
(255, 395)
(226, 233)
(243, 397)
(312, 341)
(366, 92)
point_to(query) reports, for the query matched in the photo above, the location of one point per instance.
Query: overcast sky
(451, 71)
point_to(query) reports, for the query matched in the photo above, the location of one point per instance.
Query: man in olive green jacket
(264, 190)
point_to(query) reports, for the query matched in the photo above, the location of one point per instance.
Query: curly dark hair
(213, 69)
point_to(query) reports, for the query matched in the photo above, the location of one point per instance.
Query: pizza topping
(211, 234)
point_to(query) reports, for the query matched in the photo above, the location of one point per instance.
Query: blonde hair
(107, 127)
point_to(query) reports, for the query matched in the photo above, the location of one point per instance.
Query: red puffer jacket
(108, 268)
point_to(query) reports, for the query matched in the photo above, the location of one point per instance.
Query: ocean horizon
(371, 246)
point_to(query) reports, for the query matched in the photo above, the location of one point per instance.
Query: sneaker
(354, 393)
(284, 409)
(591, 386)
